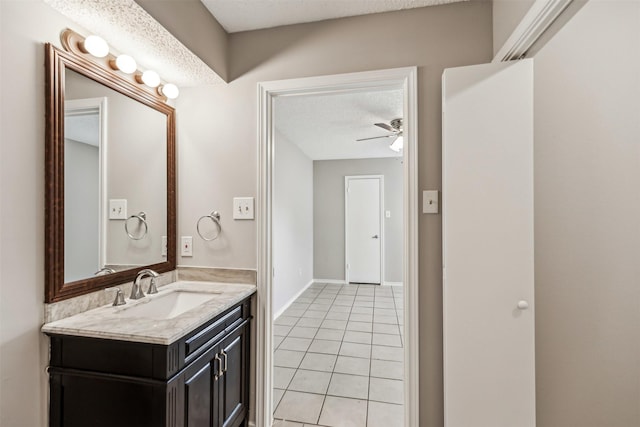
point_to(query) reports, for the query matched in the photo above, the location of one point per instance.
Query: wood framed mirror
(110, 190)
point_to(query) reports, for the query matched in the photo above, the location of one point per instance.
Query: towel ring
(142, 217)
(215, 217)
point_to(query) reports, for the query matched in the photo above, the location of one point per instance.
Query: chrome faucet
(136, 289)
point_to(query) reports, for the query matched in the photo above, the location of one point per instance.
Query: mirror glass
(115, 170)
(110, 177)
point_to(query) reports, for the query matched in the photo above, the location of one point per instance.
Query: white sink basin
(167, 306)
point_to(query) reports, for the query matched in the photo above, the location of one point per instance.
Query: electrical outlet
(163, 250)
(186, 246)
(118, 209)
(243, 208)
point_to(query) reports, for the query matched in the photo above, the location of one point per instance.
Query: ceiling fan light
(397, 144)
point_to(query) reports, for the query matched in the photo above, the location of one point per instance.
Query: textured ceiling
(327, 126)
(128, 28)
(245, 15)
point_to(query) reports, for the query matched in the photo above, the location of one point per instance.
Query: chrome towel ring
(215, 217)
(142, 218)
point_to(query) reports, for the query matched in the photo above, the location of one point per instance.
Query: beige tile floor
(339, 358)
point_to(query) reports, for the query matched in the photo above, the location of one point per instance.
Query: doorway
(405, 80)
(364, 233)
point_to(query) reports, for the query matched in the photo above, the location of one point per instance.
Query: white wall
(329, 215)
(587, 215)
(292, 222)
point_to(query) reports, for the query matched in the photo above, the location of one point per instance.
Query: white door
(363, 229)
(489, 369)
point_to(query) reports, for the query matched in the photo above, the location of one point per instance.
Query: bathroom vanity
(141, 364)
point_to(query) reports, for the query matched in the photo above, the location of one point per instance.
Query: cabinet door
(234, 382)
(200, 391)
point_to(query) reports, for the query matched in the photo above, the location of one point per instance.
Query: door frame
(380, 179)
(398, 78)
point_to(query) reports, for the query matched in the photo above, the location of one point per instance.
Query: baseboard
(330, 281)
(392, 284)
(295, 297)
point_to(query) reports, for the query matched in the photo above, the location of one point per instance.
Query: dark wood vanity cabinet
(201, 380)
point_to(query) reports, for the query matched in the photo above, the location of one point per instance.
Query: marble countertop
(110, 322)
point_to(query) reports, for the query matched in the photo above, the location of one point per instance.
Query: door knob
(523, 305)
(374, 237)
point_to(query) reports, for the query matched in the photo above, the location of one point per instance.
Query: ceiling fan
(395, 127)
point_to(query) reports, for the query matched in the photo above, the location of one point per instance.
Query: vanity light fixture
(124, 63)
(149, 77)
(96, 50)
(95, 46)
(169, 90)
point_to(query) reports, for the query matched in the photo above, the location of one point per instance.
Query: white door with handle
(488, 286)
(363, 229)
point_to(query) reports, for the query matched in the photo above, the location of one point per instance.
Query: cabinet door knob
(523, 305)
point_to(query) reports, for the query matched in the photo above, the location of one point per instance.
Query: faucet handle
(152, 287)
(119, 299)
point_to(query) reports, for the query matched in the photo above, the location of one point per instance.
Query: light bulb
(150, 78)
(397, 144)
(169, 90)
(126, 64)
(95, 46)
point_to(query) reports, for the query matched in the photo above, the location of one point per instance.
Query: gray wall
(292, 222)
(328, 214)
(587, 211)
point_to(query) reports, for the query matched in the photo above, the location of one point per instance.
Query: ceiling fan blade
(386, 127)
(376, 137)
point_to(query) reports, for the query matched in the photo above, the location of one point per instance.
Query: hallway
(339, 358)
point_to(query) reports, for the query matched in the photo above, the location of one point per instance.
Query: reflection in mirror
(115, 168)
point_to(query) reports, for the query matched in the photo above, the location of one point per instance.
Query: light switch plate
(117, 208)
(163, 250)
(243, 208)
(430, 202)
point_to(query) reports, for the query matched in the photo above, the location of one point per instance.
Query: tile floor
(339, 358)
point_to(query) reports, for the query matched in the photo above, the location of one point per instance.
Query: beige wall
(217, 132)
(587, 211)
(217, 155)
(507, 14)
(24, 27)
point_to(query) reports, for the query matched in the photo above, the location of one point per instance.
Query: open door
(489, 360)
